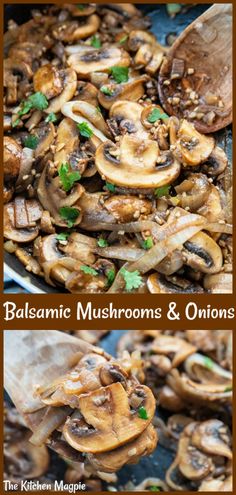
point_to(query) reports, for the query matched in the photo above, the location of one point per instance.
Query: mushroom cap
(69, 89)
(110, 421)
(11, 158)
(47, 80)
(86, 62)
(192, 148)
(125, 110)
(137, 164)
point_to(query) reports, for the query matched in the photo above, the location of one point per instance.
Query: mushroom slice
(168, 345)
(128, 114)
(137, 164)
(138, 38)
(98, 60)
(170, 400)
(213, 437)
(10, 230)
(202, 253)
(193, 464)
(47, 80)
(72, 110)
(70, 31)
(157, 284)
(217, 485)
(133, 90)
(17, 76)
(69, 79)
(28, 461)
(216, 162)
(113, 461)
(45, 133)
(219, 283)
(213, 209)
(97, 281)
(82, 10)
(126, 208)
(193, 192)
(192, 148)
(110, 420)
(12, 154)
(67, 141)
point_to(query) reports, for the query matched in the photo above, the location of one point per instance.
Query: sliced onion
(224, 228)
(68, 110)
(53, 418)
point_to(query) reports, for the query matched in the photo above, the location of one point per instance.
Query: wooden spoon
(39, 357)
(205, 46)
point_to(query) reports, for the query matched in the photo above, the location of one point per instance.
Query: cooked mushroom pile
(98, 414)
(103, 190)
(190, 373)
(22, 460)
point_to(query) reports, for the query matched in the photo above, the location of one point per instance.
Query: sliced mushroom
(132, 90)
(173, 346)
(67, 147)
(193, 192)
(157, 284)
(213, 437)
(80, 10)
(97, 281)
(113, 461)
(109, 418)
(10, 230)
(25, 461)
(202, 253)
(213, 208)
(69, 79)
(137, 164)
(128, 115)
(219, 283)
(70, 31)
(170, 400)
(47, 80)
(216, 162)
(45, 133)
(127, 208)
(192, 148)
(11, 158)
(17, 76)
(98, 60)
(193, 464)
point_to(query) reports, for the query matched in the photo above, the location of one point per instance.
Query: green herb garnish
(88, 270)
(208, 363)
(142, 413)
(123, 39)
(162, 191)
(15, 123)
(98, 109)
(102, 242)
(228, 389)
(110, 276)
(120, 74)
(148, 243)
(106, 91)
(173, 8)
(85, 130)
(132, 279)
(51, 117)
(67, 178)
(80, 6)
(36, 100)
(31, 142)
(63, 236)
(156, 114)
(154, 489)
(69, 214)
(110, 187)
(95, 42)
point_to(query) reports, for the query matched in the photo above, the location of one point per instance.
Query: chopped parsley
(208, 363)
(110, 276)
(173, 8)
(80, 6)
(143, 413)
(228, 389)
(162, 191)
(102, 242)
(123, 39)
(51, 117)
(106, 91)
(120, 74)
(36, 100)
(63, 236)
(31, 142)
(98, 109)
(69, 214)
(95, 42)
(110, 187)
(85, 130)
(132, 279)
(156, 114)
(67, 178)
(148, 243)
(88, 270)
(154, 489)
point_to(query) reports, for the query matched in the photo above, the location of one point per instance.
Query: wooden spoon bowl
(204, 50)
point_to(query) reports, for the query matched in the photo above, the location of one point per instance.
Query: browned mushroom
(11, 158)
